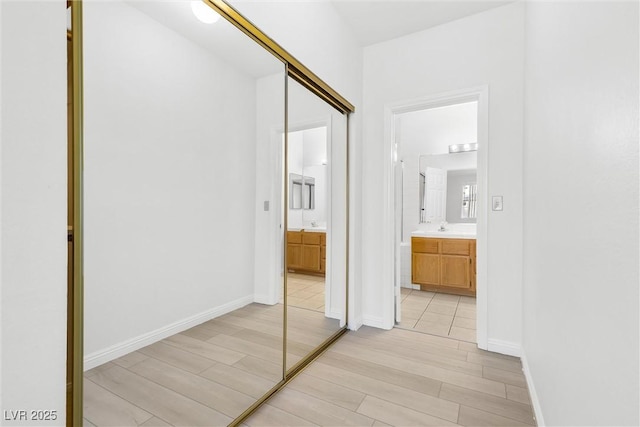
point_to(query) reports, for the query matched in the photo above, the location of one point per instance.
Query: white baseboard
(100, 357)
(410, 286)
(535, 402)
(355, 324)
(265, 299)
(504, 347)
(374, 321)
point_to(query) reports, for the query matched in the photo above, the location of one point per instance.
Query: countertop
(310, 229)
(448, 234)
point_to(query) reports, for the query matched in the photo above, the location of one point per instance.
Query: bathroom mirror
(183, 323)
(448, 188)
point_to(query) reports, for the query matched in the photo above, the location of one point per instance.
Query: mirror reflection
(448, 188)
(183, 190)
(316, 233)
(302, 192)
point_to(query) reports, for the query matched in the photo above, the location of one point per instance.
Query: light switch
(266, 205)
(497, 203)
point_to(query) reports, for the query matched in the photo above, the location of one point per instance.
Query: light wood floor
(440, 314)
(209, 374)
(402, 378)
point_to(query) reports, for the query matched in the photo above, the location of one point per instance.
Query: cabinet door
(455, 271)
(311, 257)
(425, 269)
(294, 256)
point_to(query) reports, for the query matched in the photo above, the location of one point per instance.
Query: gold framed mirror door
(144, 183)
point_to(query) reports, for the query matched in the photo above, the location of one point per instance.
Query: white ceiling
(222, 39)
(377, 21)
(371, 21)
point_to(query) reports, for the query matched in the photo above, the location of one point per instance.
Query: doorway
(437, 201)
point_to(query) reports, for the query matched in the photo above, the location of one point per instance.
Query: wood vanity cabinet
(444, 265)
(306, 251)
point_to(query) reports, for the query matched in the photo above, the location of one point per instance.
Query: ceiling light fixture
(203, 12)
(461, 148)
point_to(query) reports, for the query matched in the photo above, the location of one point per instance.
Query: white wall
(169, 180)
(581, 212)
(34, 206)
(269, 155)
(483, 49)
(431, 131)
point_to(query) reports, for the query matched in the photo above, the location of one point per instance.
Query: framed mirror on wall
(187, 310)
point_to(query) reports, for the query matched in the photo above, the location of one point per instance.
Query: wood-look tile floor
(402, 378)
(439, 314)
(209, 374)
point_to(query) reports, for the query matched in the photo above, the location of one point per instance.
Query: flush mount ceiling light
(461, 148)
(203, 12)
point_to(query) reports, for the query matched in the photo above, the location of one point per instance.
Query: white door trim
(390, 243)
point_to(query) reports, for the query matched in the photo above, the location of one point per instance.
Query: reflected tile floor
(305, 291)
(439, 314)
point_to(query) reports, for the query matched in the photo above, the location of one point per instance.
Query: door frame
(391, 241)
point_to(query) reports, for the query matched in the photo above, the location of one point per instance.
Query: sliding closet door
(316, 226)
(183, 187)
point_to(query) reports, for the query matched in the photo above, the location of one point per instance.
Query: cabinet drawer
(456, 247)
(311, 238)
(294, 237)
(424, 245)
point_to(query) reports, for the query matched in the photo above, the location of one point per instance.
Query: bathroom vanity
(306, 251)
(446, 263)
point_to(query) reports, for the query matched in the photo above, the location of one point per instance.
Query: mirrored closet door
(183, 322)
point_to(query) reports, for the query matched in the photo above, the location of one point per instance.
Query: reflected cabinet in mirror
(215, 236)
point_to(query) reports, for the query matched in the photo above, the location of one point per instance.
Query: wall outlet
(496, 204)
(266, 206)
